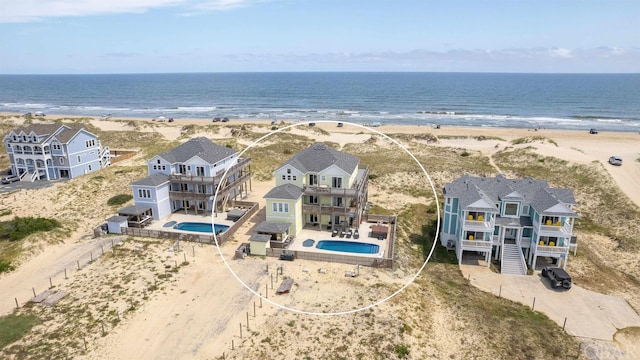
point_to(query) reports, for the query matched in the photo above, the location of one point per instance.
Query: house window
(511, 209)
(288, 171)
(313, 179)
(200, 170)
(284, 177)
(89, 167)
(525, 210)
(164, 167)
(90, 143)
(61, 160)
(336, 182)
(280, 207)
(323, 178)
(79, 159)
(288, 177)
(144, 193)
(294, 178)
(158, 161)
(56, 146)
(448, 201)
(313, 199)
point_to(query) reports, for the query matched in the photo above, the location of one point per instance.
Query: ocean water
(566, 101)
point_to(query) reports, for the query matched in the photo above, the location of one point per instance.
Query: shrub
(119, 199)
(21, 227)
(401, 350)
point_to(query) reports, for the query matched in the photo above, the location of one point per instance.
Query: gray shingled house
(514, 220)
(186, 178)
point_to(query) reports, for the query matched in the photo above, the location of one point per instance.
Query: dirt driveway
(588, 314)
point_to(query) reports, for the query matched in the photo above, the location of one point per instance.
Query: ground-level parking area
(588, 314)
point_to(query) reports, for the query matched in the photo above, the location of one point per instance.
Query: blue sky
(133, 36)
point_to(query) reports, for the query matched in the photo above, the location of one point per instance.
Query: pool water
(348, 246)
(201, 227)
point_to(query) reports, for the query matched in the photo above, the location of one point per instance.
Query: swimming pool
(348, 246)
(200, 227)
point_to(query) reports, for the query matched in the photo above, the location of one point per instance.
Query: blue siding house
(54, 151)
(514, 220)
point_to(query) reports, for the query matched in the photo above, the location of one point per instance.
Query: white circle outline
(435, 240)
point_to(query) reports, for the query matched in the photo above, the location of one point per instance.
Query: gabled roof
(63, 133)
(470, 190)
(202, 147)
(152, 180)
(285, 192)
(69, 132)
(319, 156)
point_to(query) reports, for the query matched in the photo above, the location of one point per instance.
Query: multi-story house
(514, 220)
(54, 151)
(319, 186)
(187, 177)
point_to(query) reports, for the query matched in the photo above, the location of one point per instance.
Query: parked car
(9, 179)
(288, 257)
(615, 160)
(27, 114)
(39, 113)
(217, 119)
(557, 276)
(593, 131)
(225, 119)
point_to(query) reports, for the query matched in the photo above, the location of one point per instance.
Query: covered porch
(137, 216)
(277, 232)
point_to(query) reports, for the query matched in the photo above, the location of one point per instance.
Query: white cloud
(13, 11)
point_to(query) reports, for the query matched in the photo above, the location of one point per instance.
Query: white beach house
(186, 178)
(514, 220)
(54, 151)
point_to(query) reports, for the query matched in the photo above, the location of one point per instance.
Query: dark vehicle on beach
(216, 119)
(557, 276)
(226, 119)
(593, 131)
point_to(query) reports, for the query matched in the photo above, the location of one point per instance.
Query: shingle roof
(319, 156)
(470, 189)
(63, 133)
(152, 180)
(260, 238)
(285, 192)
(202, 147)
(272, 227)
(69, 132)
(133, 210)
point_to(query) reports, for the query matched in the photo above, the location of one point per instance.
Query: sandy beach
(199, 311)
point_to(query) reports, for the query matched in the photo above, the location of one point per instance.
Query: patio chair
(334, 233)
(356, 234)
(349, 234)
(342, 233)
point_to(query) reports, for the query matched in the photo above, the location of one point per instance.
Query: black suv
(557, 276)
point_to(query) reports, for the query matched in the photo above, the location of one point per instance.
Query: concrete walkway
(588, 314)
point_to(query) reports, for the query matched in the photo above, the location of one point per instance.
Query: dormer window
(510, 209)
(288, 171)
(158, 161)
(35, 138)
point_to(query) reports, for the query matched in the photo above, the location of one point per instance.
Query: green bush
(401, 350)
(5, 266)
(14, 327)
(119, 199)
(21, 227)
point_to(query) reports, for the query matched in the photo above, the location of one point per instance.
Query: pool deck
(317, 234)
(179, 217)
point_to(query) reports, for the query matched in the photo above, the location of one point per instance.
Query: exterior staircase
(512, 260)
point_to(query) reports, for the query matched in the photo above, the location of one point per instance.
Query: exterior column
(535, 257)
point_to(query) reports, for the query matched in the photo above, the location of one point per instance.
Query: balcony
(554, 251)
(478, 225)
(562, 230)
(476, 245)
(327, 209)
(190, 178)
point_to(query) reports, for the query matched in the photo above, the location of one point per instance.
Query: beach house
(515, 221)
(54, 151)
(318, 187)
(186, 178)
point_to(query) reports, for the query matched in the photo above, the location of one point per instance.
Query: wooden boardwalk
(285, 287)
